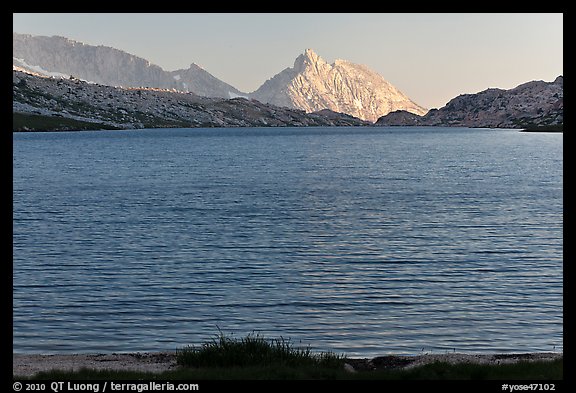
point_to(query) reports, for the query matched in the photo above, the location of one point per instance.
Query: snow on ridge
(42, 72)
(39, 70)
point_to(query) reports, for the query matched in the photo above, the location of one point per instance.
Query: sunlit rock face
(312, 85)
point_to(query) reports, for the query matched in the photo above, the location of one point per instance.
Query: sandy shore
(28, 365)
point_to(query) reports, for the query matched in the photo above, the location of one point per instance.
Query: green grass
(254, 351)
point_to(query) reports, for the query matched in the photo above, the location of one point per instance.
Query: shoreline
(24, 365)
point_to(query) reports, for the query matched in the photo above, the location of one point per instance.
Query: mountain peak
(313, 84)
(309, 52)
(309, 57)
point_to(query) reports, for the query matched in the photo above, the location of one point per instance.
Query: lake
(363, 241)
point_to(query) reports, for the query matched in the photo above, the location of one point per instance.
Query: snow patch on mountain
(36, 69)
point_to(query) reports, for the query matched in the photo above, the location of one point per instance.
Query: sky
(430, 57)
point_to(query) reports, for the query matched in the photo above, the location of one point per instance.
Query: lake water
(363, 241)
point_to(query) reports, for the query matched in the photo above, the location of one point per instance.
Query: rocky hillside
(60, 56)
(313, 84)
(44, 103)
(535, 103)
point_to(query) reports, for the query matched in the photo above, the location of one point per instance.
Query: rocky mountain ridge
(47, 103)
(535, 103)
(60, 56)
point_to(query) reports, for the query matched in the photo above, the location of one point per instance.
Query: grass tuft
(254, 350)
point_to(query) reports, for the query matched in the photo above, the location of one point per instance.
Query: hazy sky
(430, 57)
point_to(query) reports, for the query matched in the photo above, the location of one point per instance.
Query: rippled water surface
(363, 241)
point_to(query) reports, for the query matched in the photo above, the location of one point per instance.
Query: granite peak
(312, 84)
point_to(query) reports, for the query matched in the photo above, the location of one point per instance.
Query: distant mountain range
(311, 85)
